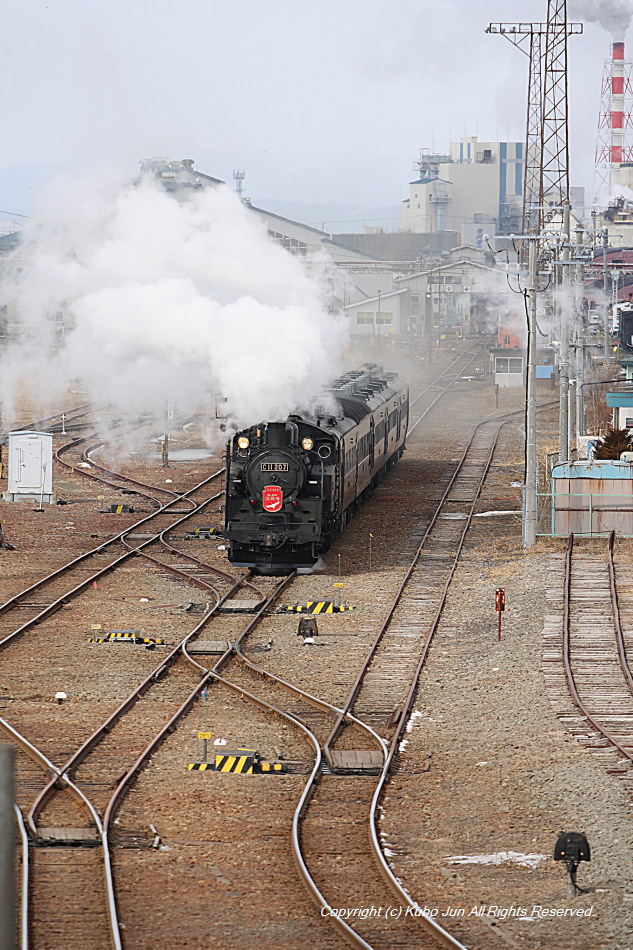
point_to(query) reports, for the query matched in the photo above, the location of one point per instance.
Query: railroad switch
(244, 761)
(117, 510)
(572, 847)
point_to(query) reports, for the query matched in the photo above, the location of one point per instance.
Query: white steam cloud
(613, 15)
(168, 296)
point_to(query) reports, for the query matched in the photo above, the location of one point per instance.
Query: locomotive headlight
(307, 444)
(243, 442)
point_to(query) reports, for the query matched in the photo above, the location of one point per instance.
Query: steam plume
(170, 297)
(613, 15)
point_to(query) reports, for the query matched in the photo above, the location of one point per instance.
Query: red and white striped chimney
(617, 104)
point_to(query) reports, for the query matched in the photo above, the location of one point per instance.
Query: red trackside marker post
(500, 606)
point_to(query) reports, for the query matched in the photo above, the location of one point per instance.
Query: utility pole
(564, 309)
(531, 482)
(605, 289)
(579, 283)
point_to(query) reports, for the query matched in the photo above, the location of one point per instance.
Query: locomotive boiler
(292, 486)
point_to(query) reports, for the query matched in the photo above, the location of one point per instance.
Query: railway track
(430, 394)
(53, 817)
(315, 719)
(586, 650)
(333, 816)
(382, 697)
(63, 827)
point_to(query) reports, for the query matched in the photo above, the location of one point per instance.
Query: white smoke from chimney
(613, 15)
(169, 297)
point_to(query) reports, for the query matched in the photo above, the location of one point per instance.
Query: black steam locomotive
(292, 486)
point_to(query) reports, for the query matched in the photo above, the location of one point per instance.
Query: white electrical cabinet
(30, 466)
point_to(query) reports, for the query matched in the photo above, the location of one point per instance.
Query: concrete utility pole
(580, 333)
(7, 849)
(605, 289)
(531, 482)
(565, 311)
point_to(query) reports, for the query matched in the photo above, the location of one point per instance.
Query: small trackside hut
(292, 486)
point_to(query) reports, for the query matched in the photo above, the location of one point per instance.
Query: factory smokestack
(617, 104)
(614, 125)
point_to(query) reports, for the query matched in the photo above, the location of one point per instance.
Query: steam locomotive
(292, 486)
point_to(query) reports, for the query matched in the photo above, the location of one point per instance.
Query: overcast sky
(317, 102)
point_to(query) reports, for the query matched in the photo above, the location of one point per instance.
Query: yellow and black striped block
(121, 636)
(244, 761)
(241, 760)
(317, 607)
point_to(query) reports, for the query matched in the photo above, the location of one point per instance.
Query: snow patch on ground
(501, 857)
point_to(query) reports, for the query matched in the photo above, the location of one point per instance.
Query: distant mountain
(334, 218)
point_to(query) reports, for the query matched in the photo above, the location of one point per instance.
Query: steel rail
(24, 888)
(619, 636)
(433, 928)
(104, 481)
(45, 762)
(150, 680)
(442, 392)
(569, 675)
(164, 509)
(388, 766)
(443, 937)
(87, 457)
(63, 772)
(243, 692)
(355, 689)
(60, 774)
(348, 932)
(83, 410)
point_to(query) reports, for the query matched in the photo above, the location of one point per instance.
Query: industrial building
(476, 188)
(296, 237)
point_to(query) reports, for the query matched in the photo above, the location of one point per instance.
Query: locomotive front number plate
(273, 467)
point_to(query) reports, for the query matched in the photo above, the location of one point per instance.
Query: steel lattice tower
(528, 37)
(555, 156)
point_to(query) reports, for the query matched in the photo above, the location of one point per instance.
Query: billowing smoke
(613, 15)
(167, 296)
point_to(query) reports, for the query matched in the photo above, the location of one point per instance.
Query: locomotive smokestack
(276, 434)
